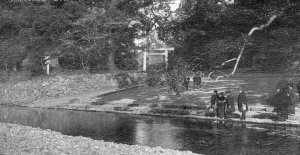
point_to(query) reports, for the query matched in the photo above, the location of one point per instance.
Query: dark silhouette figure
(197, 81)
(230, 104)
(298, 88)
(174, 87)
(221, 105)
(293, 100)
(242, 101)
(213, 102)
(282, 100)
(186, 82)
(281, 104)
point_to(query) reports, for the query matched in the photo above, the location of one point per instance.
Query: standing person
(197, 81)
(186, 81)
(213, 102)
(282, 100)
(292, 101)
(230, 104)
(221, 105)
(282, 105)
(242, 101)
(172, 82)
(298, 88)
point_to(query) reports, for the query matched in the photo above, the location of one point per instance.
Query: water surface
(198, 136)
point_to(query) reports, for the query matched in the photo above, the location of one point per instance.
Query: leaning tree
(213, 34)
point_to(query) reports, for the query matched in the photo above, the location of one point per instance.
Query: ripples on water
(206, 137)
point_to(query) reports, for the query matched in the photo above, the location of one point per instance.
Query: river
(198, 136)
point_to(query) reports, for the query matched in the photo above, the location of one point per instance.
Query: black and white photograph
(149, 77)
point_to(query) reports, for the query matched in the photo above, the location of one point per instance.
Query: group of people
(223, 104)
(285, 100)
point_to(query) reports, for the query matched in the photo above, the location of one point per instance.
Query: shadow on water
(206, 137)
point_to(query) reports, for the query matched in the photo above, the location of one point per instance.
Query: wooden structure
(150, 57)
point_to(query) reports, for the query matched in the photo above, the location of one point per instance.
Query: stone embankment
(26, 92)
(23, 140)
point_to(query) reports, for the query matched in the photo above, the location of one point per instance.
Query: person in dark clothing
(298, 88)
(213, 102)
(282, 100)
(173, 85)
(197, 81)
(282, 108)
(293, 100)
(242, 101)
(186, 82)
(230, 104)
(282, 85)
(221, 105)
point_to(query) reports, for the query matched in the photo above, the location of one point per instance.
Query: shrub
(123, 79)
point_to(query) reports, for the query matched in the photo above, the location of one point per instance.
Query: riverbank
(23, 140)
(151, 101)
(155, 101)
(64, 85)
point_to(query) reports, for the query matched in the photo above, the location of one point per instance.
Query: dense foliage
(99, 34)
(91, 34)
(209, 32)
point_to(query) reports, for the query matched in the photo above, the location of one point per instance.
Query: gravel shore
(23, 140)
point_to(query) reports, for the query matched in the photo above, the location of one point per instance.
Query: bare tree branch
(246, 38)
(262, 26)
(233, 59)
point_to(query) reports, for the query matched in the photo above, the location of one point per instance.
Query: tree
(35, 27)
(95, 32)
(208, 31)
(111, 27)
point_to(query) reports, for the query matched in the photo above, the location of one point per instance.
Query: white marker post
(47, 62)
(145, 61)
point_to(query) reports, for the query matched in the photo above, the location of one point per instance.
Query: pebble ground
(23, 140)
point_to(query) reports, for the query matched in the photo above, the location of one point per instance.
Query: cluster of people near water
(285, 100)
(223, 104)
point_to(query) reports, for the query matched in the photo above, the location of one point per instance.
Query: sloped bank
(26, 92)
(17, 139)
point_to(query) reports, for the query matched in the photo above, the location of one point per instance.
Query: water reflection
(206, 137)
(157, 134)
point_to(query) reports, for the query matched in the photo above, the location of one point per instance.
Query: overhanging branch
(246, 38)
(262, 26)
(224, 63)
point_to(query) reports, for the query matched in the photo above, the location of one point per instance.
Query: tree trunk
(240, 55)
(246, 38)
